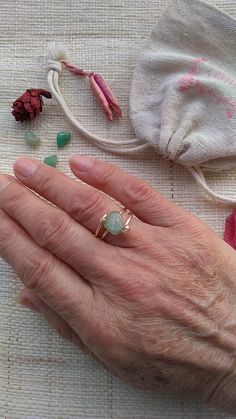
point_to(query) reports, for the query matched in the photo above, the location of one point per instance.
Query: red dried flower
(230, 229)
(29, 105)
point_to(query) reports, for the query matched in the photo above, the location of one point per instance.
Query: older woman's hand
(157, 305)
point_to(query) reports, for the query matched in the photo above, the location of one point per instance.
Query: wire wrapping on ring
(125, 227)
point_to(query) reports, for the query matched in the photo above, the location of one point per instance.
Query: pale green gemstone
(32, 139)
(51, 161)
(114, 223)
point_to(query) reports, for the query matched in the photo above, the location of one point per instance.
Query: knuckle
(84, 210)
(45, 182)
(36, 269)
(12, 196)
(138, 191)
(105, 176)
(52, 228)
(7, 236)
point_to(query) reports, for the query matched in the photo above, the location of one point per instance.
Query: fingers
(83, 203)
(53, 229)
(53, 281)
(29, 299)
(135, 194)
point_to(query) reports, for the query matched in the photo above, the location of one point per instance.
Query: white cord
(129, 146)
(201, 181)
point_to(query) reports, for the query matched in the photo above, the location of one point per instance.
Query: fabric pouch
(183, 94)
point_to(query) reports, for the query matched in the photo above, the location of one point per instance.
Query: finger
(54, 282)
(29, 299)
(54, 230)
(83, 203)
(137, 195)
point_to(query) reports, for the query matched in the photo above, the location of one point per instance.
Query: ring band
(113, 223)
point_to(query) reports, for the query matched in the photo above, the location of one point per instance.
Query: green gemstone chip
(32, 139)
(114, 223)
(63, 138)
(51, 161)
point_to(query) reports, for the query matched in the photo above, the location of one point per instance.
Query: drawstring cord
(201, 181)
(57, 56)
(54, 69)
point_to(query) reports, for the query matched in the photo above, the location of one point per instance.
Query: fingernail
(28, 300)
(4, 181)
(81, 163)
(25, 167)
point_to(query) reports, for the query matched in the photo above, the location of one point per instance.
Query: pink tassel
(101, 89)
(108, 94)
(101, 97)
(76, 70)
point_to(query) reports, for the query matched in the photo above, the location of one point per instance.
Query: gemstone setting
(114, 223)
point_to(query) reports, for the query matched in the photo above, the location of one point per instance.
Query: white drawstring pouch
(183, 94)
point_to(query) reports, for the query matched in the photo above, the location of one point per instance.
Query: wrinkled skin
(156, 306)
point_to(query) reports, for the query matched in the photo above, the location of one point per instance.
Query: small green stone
(63, 138)
(32, 139)
(51, 161)
(114, 223)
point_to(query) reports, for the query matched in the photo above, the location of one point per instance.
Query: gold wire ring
(113, 223)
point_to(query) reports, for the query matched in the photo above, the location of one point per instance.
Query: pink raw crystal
(230, 229)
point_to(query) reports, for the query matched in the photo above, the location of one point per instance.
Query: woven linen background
(42, 375)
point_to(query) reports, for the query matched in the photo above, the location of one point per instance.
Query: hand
(157, 305)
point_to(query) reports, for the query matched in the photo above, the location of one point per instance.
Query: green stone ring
(114, 223)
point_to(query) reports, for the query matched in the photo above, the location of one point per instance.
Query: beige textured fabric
(41, 375)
